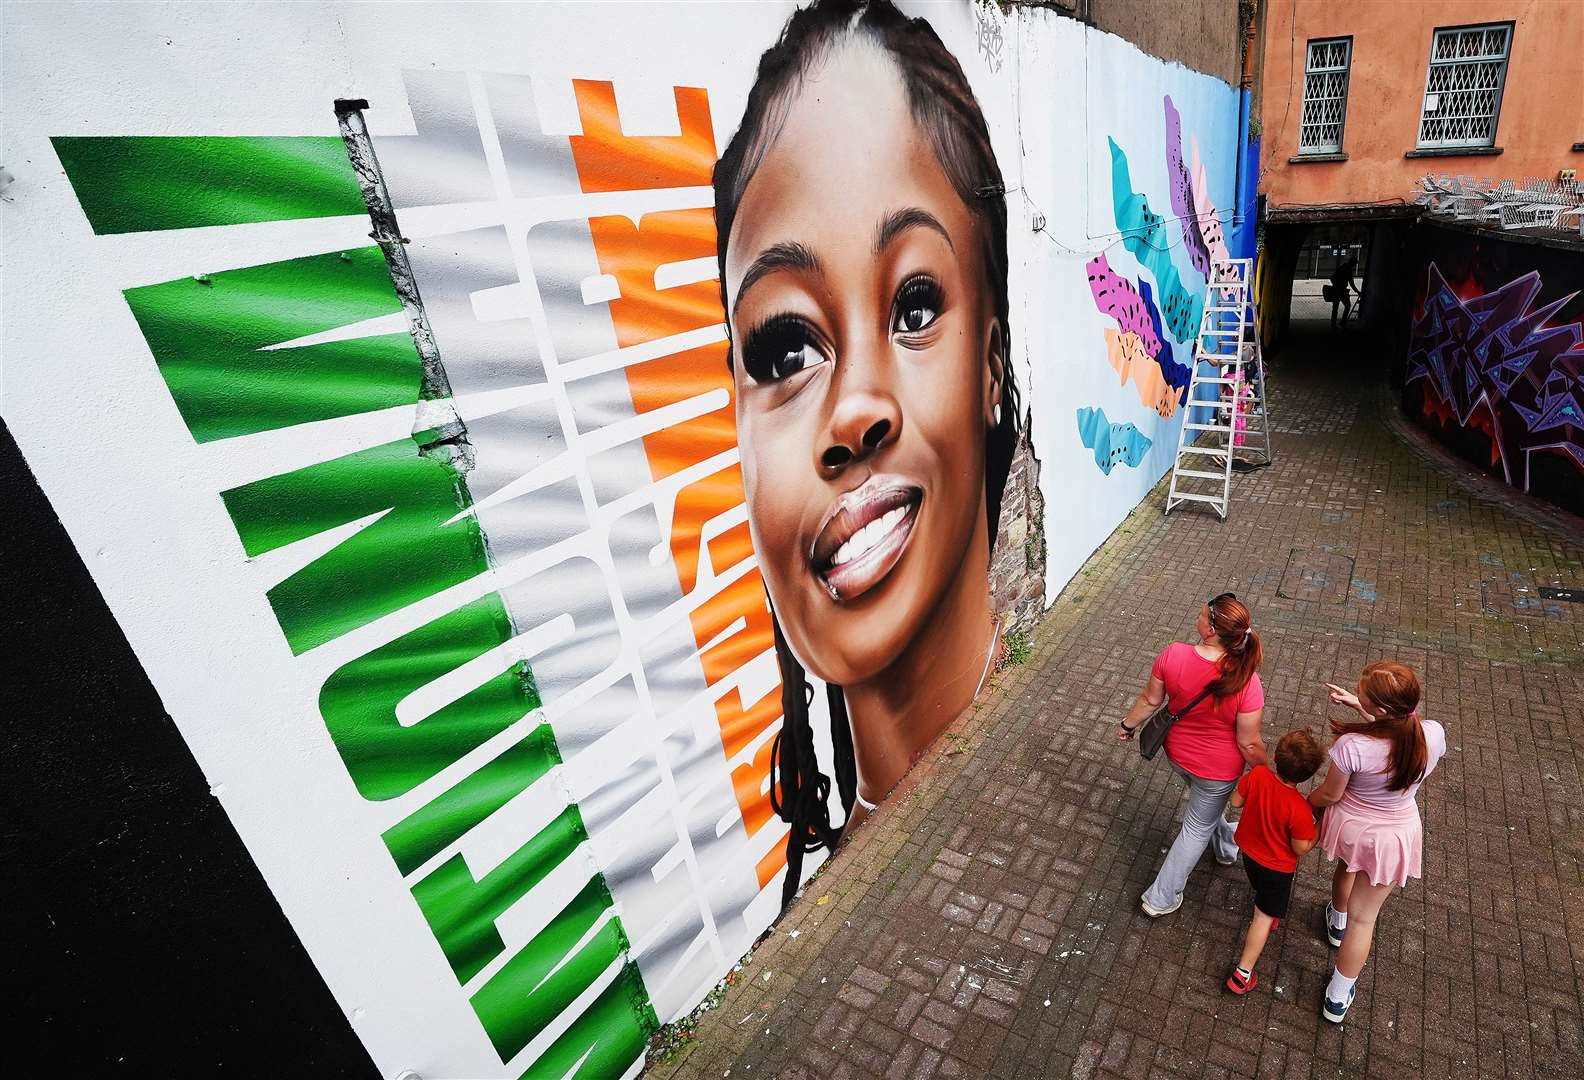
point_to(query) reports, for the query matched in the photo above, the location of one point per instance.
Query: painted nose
(865, 422)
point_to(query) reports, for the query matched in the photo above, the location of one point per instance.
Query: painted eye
(917, 306)
(780, 348)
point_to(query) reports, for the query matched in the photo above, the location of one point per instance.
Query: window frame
(1347, 87)
(1443, 145)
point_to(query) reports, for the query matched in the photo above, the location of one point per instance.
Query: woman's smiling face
(867, 362)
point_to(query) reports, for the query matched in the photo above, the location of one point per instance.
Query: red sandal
(1238, 985)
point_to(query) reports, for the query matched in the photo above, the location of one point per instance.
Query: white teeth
(861, 542)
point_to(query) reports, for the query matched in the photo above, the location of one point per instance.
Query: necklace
(995, 637)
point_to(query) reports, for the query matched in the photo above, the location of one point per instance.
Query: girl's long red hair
(1395, 688)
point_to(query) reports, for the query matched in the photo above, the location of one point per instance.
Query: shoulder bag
(1151, 732)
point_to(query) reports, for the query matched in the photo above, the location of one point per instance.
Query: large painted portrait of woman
(861, 231)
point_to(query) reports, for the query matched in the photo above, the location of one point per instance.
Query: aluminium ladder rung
(1213, 500)
(1202, 474)
(1214, 451)
(1206, 427)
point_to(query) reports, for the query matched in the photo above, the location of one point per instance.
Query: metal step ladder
(1229, 340)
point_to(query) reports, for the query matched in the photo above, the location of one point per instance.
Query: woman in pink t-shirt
(1371, 826)
(1210, 746)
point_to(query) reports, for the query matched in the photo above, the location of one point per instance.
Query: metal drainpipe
(1245, 85)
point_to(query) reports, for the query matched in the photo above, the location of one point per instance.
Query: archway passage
(1477, 332)
(1302, 253)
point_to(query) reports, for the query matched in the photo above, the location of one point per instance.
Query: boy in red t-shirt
(1276, 829)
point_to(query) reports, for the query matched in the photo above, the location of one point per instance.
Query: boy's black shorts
(1272, 888)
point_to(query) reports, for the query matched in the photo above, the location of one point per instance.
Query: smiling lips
(862, 539)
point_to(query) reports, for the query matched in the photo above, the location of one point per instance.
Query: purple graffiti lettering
(1494, 349)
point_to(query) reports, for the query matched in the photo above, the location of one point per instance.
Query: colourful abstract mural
(1136, 349)
(1140, 349)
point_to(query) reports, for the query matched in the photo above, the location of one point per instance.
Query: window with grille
(1325, 96)
(1463, 89)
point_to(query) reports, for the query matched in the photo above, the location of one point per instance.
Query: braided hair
(942, 104)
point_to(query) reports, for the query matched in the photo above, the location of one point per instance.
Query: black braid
(799, 792)
(943, 105)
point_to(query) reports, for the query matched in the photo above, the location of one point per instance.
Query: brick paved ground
(986, 922)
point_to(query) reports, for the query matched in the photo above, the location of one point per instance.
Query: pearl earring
(996, 414)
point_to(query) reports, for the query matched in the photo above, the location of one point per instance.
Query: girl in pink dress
(1371, 826)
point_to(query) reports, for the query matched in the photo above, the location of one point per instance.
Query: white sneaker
(1336, 1011)
(1333, 931)
(1155, 913)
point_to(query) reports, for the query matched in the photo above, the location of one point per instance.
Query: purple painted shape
(1115, 296)
(1182, 193)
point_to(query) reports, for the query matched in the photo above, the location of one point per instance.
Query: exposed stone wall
(1017, 564)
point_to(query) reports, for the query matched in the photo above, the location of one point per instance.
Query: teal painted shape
(1144, 234)
(1111, 443)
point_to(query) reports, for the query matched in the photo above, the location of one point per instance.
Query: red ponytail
(1394, 688)
(1241, 648)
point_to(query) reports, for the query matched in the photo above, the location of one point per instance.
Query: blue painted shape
(1148, 296)
(1144, 234)
(1111, 443)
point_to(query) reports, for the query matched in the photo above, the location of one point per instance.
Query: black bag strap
(1190, 706)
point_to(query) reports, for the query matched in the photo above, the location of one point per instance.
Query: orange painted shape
(681, 375)
(730, 547)
(1131, 361)
(742, 599)
(607, 160)
(696, 505)
(632, 253)
(774, 861)
(739, 727)
(747, 780)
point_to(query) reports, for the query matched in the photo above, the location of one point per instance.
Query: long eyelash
(775, 332)
(776, 324)
(919, 289)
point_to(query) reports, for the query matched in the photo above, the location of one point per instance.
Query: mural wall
(1496, 357)
(547, 539)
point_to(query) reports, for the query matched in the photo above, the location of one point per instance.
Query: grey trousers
(1204, 824)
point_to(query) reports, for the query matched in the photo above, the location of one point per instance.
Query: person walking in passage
(1340, 291)
(1276, 830)
(1371, 826)
(1209, 746)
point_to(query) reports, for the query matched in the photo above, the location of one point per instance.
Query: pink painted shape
(1115, 296)
(1209, 220)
